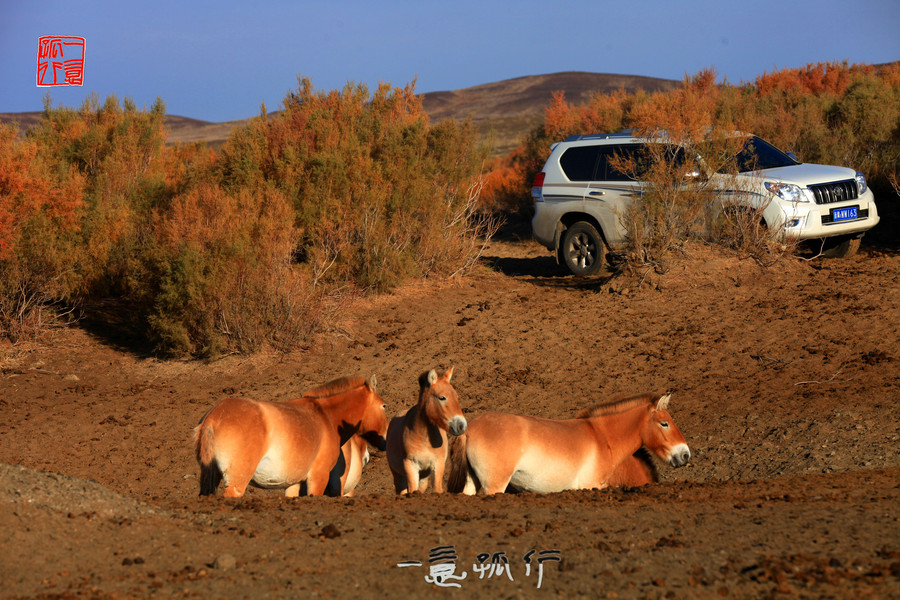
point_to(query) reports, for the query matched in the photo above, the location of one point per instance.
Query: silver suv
(579, 198)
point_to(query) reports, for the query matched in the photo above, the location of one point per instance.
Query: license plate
(844, 214)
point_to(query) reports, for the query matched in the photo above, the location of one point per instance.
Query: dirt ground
(785, 380)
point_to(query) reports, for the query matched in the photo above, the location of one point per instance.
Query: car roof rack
(600, 136)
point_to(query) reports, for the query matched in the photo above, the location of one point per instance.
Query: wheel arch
(569, 219)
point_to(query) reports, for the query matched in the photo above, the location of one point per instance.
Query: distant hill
(502, 112)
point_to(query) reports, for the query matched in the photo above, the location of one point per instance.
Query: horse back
(300, 430)
(512, 433)
(532, 453)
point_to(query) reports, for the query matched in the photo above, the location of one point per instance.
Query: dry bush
(456, 246)
(219, 275)
(373, 186)
(256, 246)
(39, 227)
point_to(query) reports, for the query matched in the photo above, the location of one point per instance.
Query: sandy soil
(785, 383)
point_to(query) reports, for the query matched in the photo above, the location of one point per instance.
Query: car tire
(841, 247)
(582, 251)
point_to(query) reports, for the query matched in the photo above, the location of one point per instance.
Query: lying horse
(545, 455)
(348, 470)
(417, 438)
(283, 444)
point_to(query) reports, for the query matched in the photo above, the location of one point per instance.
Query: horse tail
(210, 474)
(459, 464)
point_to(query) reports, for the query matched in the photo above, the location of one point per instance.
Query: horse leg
(316, 483)
(496, 482)
(292, 491)
(235, 487)
(399, 482)
(470, 489)
(437, 475)
(237, 478)
(412, 477)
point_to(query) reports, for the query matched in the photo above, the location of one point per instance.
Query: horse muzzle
(680, 455)
(457, 425)
(378, 441)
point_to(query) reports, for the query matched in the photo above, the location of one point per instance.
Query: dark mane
(617, 404)
(644, 456)
(338, 386)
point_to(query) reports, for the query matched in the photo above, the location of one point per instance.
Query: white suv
(579, 197)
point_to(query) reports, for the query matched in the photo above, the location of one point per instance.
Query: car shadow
(543, 271)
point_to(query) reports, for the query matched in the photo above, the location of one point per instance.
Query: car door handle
(597, 193)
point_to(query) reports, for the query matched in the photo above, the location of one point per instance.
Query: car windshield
(759, 154)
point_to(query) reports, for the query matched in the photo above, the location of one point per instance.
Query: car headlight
(786, 191)
(861, 183)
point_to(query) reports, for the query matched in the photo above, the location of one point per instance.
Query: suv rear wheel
(582, 249)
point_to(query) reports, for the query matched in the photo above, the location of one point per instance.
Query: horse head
(440, 402)
(661, 436)
(374, 424)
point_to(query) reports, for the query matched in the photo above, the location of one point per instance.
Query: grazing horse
(282, 444)
(417, 438)
(545, 455)
(348, 470)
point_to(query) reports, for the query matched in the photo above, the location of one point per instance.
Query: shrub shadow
(112, 322)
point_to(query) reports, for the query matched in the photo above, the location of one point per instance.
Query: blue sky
(221, 60)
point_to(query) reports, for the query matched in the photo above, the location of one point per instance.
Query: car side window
(579, 163)
(628, 152)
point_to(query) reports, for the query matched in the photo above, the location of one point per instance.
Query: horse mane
(338, 386)
(617, 404)
(644, 456)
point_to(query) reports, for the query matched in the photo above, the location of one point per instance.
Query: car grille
(862, 213)
(838, 191)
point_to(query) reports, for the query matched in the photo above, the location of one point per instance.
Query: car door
(611, 192)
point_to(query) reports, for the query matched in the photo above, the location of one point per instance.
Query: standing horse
(348, 470)
(282, 444)
(546, 455)
(417, 438)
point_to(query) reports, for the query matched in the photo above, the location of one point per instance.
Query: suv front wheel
(582, 249)
(841, 246)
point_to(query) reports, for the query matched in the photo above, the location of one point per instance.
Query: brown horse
(282, 444)
(546, 455)
(417, 438)
(346, 473)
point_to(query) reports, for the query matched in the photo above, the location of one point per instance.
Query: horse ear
(663, 402)
(432, 377)
(372, 382)
(448, 374)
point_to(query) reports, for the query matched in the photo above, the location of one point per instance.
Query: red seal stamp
(60, 60)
